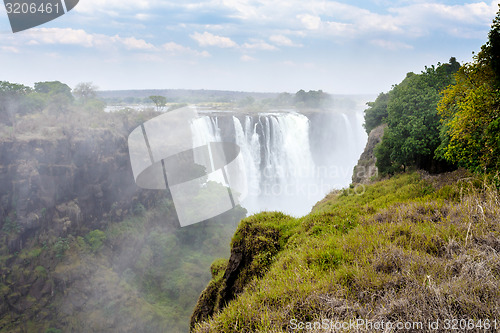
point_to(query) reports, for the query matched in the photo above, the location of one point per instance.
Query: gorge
(83, 248)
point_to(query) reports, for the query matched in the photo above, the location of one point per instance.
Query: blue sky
(246, 45)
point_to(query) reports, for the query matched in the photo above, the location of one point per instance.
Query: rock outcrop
(52, 190)
(62, 185)
(366, 169)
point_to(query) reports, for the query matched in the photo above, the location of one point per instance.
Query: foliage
(376, 114)
(10, 226)
(60, 247)
(53, 88)
(95, 240)
(139, 209)
(85, 91)
(53, 330)
(492, 47)
(160, 102)
(13, 101)
(310, 99)
(413, 129)
(54, 95)
(470, 110)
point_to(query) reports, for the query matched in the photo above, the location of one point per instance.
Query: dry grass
(432, 255)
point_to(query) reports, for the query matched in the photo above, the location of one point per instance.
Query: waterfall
(276, 147)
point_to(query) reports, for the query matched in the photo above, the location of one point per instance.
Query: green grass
(408, 248)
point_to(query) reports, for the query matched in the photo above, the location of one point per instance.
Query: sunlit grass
(405, 249)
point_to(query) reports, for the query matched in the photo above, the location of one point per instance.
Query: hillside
(414, 248)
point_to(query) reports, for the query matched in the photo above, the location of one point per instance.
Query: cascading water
(282, 173)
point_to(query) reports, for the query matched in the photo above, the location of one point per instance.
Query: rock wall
(366, 168)
(65, 185)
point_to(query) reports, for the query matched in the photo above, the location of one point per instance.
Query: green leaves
(470, 111)
(376, 114)
(413, 129)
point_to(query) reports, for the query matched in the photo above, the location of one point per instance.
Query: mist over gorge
(78, 236)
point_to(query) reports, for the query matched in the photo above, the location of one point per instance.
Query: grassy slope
(412, 247)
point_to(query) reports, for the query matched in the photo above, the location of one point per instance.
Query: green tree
(413, 129)
(13, 102)
(95, 239)
(160, 101)
(376, 114)
(56, 96)
(310, 99)
(85, 91)
(492, 47)
(52, 88)
(470, 110)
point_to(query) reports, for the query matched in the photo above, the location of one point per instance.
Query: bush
(95, 240)
(60, 247)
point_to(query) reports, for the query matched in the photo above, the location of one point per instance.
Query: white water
(276, 149)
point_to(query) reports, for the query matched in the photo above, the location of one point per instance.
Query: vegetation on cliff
(411, 248)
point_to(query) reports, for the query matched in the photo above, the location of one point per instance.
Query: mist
(81, 238)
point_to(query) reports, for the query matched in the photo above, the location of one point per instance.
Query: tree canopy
(413, 129)
(13, 101)
(376, 114)
(470, 110)
(160, 101)
(85, 91)
(311, 99)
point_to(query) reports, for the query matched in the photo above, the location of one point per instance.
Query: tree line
(54, 96)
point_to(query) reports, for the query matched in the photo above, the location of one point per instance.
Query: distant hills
(186, 95)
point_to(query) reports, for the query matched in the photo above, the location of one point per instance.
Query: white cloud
(143, 16)
(174, 47)
(340, 29)
(247, 58)
(259, 45)
(132, 43)
(310, 22)
(208, 39)
(10, 49)
(467, 13)
(467, 20)
(242, 9)
(110, 6)
(65, 36)
(413, 18)
(177, 49)
(283, 41)
(79, 37)
(390, 45)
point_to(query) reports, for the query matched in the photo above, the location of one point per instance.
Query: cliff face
(54, 189)
(250, 258)
(366, 167)
(82, 248)
(66, 184)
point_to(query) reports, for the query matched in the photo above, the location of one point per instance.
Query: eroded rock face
(61, 185)
(366, 167)
(253, 250)
(55, 187)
